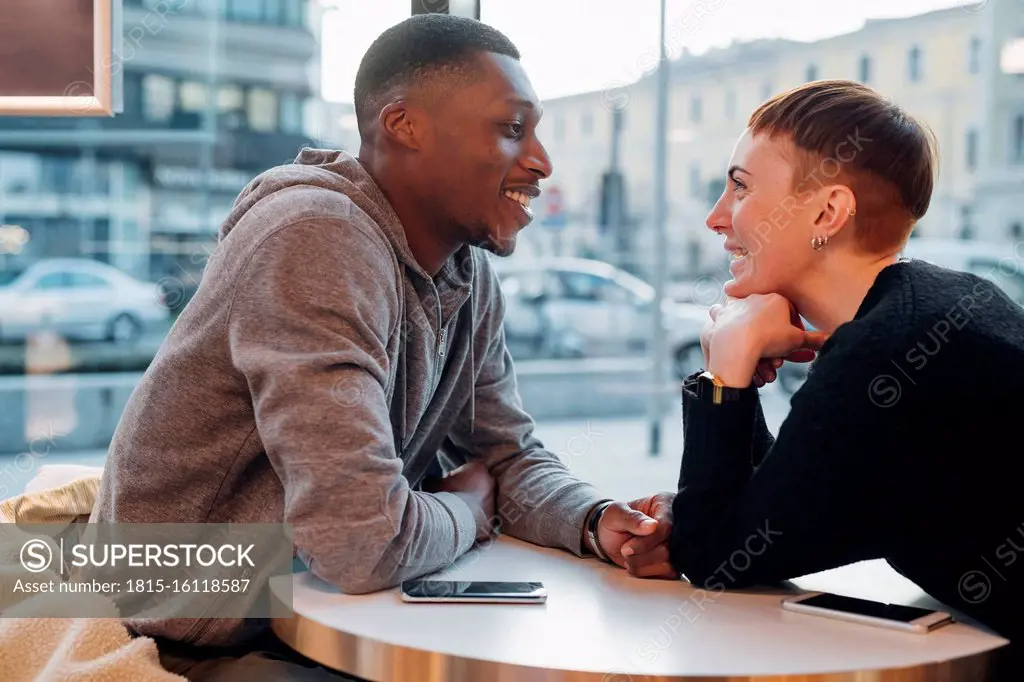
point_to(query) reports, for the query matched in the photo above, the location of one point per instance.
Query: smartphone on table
(473, 591)
(879, 614)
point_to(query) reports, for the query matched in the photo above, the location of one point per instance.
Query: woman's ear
(838, 211)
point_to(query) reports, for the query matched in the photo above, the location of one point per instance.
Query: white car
(81, 299)
(576, 307)
(1002, 264)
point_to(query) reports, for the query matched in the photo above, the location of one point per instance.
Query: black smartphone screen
(835, 602)
(459, 588)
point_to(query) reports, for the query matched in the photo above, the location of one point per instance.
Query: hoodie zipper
(441, 339)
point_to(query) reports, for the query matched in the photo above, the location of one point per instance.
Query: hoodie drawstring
(472, 350)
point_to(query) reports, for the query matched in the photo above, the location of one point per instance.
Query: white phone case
(922, 625)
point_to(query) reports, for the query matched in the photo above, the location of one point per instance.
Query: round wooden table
(602, 625)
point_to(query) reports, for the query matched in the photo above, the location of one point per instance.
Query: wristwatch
(595, 518)
(710, 386)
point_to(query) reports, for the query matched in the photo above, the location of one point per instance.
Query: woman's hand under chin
(746, 339)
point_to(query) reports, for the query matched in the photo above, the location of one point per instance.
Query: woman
(902, 442)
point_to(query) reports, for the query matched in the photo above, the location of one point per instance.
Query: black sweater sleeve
(806, 507)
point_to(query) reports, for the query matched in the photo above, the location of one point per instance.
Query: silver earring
(819, 242)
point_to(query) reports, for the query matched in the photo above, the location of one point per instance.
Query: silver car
(575, 307)
(80, 299)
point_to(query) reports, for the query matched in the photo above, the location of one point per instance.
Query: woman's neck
(831, 294)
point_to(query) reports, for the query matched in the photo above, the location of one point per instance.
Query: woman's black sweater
(905, 443)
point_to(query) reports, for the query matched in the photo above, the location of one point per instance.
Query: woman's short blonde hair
(845, 132)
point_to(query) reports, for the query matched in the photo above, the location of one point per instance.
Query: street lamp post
(459, 8)
(658, 345)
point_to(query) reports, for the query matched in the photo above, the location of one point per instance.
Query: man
(348, 332)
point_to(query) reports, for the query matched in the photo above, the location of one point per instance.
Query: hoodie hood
(332, 170)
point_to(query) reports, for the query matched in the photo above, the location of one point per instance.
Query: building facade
(943, 67)
(215, 91)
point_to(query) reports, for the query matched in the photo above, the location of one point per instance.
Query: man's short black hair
(421, 48)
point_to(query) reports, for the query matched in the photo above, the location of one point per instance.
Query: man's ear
(402, 124)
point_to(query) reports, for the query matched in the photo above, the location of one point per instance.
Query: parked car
(1002, 264)
(576, 307)
(79, 299)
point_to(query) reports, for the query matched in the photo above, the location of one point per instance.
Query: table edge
(383, 662)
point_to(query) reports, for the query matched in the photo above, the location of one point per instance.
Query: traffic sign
(554, 209)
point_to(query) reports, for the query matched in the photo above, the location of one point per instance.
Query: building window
(1018, 138)
(262, 110)
(587, 124)
(272, 12)
(730, 105)
(966, 229)
(192, 96)
(294, 13)
(971, 149)
(695, 184)
(864, 70)
(695, 110)
(1016, 231)
(231, 105)
(157, 97)
(292, 113)
(57, 173)
(245, 10)
(974, 55)
(914, 64)
(811, 74)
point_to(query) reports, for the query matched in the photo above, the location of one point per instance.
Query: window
(157, 97)
(695, 184)
(1018, 138)
(914, 64)
(730, 105)
(966, 232)
(811, 73)
(974, 55)
(53, 280)
(294, 13)
(192, 96)
(262, 110)
(245, 10)
(1004, 275)
(864, 70)
(84, 279)
(291, 113)
(583, 286)
(695, 110)
(272, 12)
(230, 98)
(231, 105)
(1016, 231)
(58, 173)
(716, 188)
(971, 149)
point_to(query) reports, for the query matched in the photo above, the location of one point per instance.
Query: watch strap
(592, 523)
(709, 387)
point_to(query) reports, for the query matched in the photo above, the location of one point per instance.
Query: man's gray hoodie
(314, 378)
